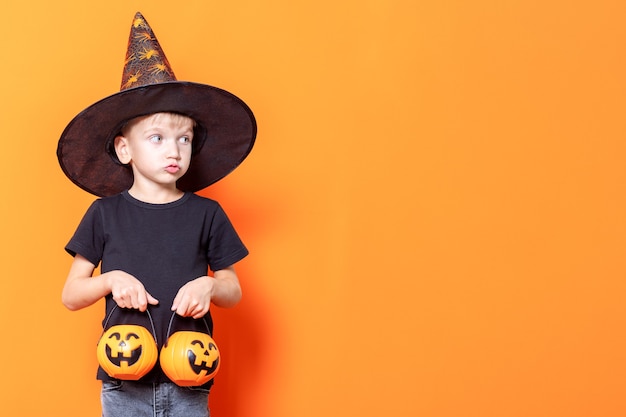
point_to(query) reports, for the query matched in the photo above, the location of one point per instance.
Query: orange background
(435, 205)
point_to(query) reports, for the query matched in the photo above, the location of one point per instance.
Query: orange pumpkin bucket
(189, 358)
(127, 351)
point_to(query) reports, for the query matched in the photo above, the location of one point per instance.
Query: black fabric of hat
(224, 135)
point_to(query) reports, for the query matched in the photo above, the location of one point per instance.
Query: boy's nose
(173, 150)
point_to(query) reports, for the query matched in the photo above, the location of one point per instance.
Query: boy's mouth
(172, 169)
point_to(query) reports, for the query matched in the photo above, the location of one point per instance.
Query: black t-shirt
(162, 245)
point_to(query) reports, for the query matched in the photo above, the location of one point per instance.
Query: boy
(145, 151)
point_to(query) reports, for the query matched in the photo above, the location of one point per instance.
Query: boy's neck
(155, 196)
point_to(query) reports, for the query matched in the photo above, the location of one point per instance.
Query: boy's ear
(121, 149)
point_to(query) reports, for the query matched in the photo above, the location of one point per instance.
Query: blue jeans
(129, 398)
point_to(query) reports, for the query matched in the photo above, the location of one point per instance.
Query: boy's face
(157, 147)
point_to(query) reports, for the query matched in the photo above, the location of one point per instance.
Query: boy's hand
(194, 298)
(129, 292)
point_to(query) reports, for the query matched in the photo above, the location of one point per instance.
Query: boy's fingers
(181, 310)
(177, 299)
(151, 299)
(139, 301)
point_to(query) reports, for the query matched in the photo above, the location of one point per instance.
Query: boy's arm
(82, 290)
(195, 297)
(226, 288)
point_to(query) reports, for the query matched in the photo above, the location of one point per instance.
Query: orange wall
(435, 206)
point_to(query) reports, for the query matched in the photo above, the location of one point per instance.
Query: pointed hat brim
(226, 132)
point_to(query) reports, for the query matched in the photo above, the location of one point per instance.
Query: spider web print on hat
(146, 62)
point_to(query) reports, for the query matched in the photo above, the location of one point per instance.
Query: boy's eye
(155, 139)
(185, 139)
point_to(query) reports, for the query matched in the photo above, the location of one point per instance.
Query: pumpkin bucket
(127, 351)
(189, 358)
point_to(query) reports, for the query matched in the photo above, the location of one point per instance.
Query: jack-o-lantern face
(127, 352)
(203, 359)
(123, 349)
(190, 358)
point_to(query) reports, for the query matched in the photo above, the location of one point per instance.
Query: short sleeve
(225, 247)
(88, 239)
